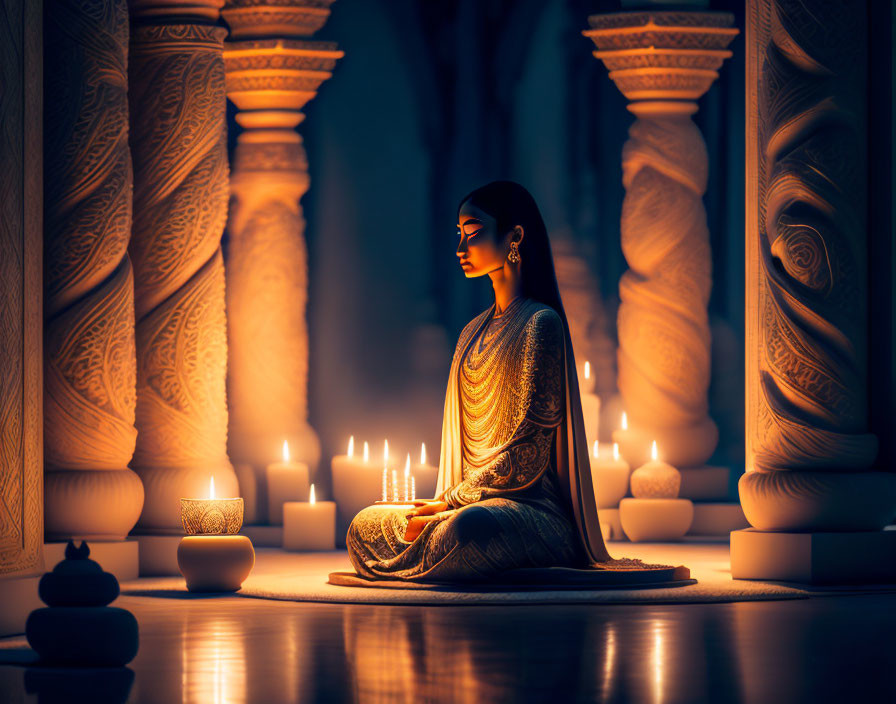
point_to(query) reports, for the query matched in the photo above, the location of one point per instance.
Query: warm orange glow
(211, 488)
(285, 451)
(595, 451)
(407, 475)
(616, 451)
(587, 370)
(311, 499)
(422, 453)
(351, 446)
(366, 452)
(385, 452)
(624, 421)
(653, 452)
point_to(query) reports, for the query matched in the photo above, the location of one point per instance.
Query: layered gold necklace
(493, 385)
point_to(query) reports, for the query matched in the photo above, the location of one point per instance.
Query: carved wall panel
(90, 367)
(21, 236)
(807, 428)
(178, 143)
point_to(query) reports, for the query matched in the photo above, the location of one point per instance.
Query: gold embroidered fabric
(506, 506)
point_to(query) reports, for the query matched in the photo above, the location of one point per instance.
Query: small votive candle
(211, 516)
(309, 525)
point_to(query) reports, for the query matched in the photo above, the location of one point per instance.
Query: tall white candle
(426, 475)
(609, 475)
(590, 405)
(287, 481)
(357, 482)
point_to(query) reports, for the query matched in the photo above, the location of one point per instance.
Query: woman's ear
(517, 234)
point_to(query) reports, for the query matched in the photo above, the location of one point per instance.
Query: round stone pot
(98, 636)
(215, 563)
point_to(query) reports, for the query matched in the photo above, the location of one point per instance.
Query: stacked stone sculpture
(78, 627)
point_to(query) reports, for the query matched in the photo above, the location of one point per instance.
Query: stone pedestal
(178, 143)
(809, 453)
(89, 352)
(814, 558)
(272, 71)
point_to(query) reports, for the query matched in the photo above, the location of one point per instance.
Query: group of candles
(410, 481)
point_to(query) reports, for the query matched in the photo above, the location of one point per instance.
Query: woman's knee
(475, 523)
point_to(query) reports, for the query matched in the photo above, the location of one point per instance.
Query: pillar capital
(662, 61)
(184, 10)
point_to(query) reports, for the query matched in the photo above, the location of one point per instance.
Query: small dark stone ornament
(77, 627)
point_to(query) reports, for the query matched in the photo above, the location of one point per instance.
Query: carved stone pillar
(89, 354)
(663, 62)
(809, 452)
(178, 143)
(271, 75)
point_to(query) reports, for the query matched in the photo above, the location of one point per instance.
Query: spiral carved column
(272, 72)
(663, 62)
(89, 353)
(809, 452)
(178, 143)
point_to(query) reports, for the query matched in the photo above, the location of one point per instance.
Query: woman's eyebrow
(470, 220)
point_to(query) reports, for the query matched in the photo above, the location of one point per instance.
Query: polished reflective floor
(236, 649)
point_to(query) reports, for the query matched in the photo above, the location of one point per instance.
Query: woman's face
(481, 249)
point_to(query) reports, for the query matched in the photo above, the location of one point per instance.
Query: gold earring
(514, 255)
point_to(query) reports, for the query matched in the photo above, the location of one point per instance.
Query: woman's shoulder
(542, 317)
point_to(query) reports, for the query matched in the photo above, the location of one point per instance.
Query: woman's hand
(427, 509)
(416, 524)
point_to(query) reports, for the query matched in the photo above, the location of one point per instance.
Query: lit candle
(590, 406)
(211, 556)
(609, 475)
(309, 525)
(655, 479)
(426, 475)
(413, 490)
(407, 477)
(394, 485)
(356, 482)
(211, 516)
(287, 481)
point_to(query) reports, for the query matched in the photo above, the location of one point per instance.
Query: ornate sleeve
(522, 460)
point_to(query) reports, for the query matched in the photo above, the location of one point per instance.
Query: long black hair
(510, 205)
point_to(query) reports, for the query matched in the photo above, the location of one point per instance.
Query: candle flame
(285, 451)
(366, 452)
(311, 496)
(385, 452)
(422, 453)
(615, 450)
(407, 465)
(653, 453)
(587, 370)
(211, 488)
(351, 446)
(595, 451)
(624, 421)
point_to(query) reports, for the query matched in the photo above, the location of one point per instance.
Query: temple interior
(229, 303)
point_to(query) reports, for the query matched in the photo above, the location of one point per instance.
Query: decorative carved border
(21, 299)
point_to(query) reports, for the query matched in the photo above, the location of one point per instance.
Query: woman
(514, 486)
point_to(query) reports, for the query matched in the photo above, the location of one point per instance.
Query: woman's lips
(465, 263)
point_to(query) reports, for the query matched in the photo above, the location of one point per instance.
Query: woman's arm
(527, 454)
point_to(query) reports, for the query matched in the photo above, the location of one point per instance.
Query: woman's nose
(462, 247)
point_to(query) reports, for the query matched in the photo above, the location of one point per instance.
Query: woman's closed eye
(471, 228)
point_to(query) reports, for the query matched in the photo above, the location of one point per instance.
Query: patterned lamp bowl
(211, 516)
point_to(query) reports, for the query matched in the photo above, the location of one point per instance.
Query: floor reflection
(223, 650)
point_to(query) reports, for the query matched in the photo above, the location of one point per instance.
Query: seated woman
(514, 487)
